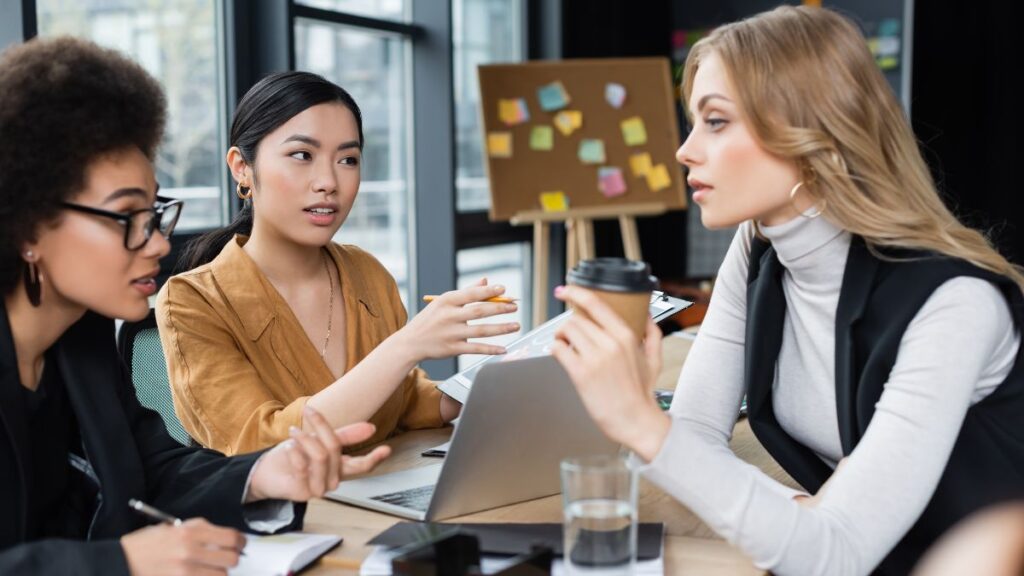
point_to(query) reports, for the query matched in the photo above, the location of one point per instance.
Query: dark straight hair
(267, 105)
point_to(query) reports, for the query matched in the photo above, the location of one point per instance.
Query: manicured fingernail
(294, 431)
(559, 290)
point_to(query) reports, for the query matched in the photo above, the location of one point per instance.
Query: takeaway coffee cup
(625, 285)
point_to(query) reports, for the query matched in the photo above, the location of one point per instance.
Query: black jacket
(128, 448)
(877, 301)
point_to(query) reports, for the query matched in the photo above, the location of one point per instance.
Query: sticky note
(610, 181)
(513, 111)
(658, 178)
(555, 201)
(499, 144)
(553, 97)
(568, 121)
(615, 94)
(633, 131)
(591, 151)
(640, 164)
(542, 138)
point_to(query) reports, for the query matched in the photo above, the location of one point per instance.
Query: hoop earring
(243, 195)
(817, 210)
(33, 284)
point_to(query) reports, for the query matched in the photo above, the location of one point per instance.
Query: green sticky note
(542, 138)
(591, 151)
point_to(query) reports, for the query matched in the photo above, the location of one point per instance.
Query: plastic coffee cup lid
(613, 275)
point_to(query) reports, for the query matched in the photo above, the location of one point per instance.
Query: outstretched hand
(310, 464)
(442, 329)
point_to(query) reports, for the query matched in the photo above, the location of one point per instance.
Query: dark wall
(966, 100)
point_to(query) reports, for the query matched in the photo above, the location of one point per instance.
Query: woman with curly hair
(82, 230)
(865, 324)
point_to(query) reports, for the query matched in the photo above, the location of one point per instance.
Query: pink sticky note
(610, 181)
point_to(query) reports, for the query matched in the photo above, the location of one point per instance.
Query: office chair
(139, 345)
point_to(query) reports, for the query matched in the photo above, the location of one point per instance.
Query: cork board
(520, 174)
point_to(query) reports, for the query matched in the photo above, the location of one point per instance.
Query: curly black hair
(64, 102)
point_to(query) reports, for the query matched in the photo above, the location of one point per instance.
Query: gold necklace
(330, 309)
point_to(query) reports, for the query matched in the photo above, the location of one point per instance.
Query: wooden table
(690, 546)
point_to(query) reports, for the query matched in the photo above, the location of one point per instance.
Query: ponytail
(204, 248)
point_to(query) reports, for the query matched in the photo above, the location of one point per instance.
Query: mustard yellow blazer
(241, 367)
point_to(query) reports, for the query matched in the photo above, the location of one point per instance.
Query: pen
(154, 514)
(157, 514)
(497, 299)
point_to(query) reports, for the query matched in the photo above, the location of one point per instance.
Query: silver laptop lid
(520, 420)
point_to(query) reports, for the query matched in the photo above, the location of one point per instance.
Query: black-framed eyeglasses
(140, 224)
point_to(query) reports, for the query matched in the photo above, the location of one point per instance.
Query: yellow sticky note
(499, 144)
(555, 201)
(633, 131)
(568, 121)
(513, 111)
(658, 178)
(640, 164)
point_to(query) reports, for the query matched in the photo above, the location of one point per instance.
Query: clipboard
(538, 342)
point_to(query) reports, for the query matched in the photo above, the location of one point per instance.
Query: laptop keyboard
(413, 498)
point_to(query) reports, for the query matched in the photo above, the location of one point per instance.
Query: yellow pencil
(498, 299)
(340, 562)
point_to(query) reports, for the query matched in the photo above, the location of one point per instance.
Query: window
(178, 41)
(483, 31)
(373, 67)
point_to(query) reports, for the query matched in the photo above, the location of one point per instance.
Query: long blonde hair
(811, 92)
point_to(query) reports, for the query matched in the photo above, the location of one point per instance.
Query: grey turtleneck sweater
(958, 348)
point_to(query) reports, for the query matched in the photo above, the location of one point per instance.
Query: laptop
(520, 420)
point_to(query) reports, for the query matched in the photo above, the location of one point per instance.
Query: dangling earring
(243, 195)
(33, 282)
(817, 211)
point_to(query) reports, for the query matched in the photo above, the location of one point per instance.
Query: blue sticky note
(553, 97)
(591, 151)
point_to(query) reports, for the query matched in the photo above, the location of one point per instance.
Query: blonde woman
(865, 324)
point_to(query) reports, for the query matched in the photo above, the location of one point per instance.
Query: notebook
(282, 554)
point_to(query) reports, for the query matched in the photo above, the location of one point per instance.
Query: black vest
(877, 301)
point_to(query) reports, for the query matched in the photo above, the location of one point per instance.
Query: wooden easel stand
(579, 227)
